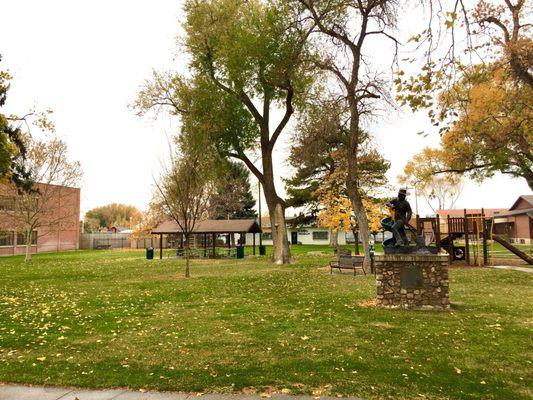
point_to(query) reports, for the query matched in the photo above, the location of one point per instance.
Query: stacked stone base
(413, 282)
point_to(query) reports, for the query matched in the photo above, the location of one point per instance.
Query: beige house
(306, 233)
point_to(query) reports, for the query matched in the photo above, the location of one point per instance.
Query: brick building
(517, 222)
(57, 210)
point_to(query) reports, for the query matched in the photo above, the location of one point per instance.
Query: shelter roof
(212, 226)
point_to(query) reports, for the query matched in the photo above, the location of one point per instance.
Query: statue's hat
(403, 191)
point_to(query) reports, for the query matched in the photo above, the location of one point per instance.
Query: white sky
(86, 61)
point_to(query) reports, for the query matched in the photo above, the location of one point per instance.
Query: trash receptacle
(262, 250)
(240, 251)
(150, 253)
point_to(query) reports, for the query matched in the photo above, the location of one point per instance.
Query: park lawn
(114, 319)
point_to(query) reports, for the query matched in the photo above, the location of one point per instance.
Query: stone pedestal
(414, 282)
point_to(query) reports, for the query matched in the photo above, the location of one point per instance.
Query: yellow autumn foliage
(336, 211)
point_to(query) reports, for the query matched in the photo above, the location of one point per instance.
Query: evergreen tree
(233, 197)
(317, 155)
(12, 147)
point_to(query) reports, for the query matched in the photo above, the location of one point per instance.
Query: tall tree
(46, 206)
(348, 25)
(319, 159)
(232, 197)
(247, 57)
(314, 154)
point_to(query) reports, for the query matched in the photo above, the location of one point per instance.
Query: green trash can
(262, 250)
(150, 253)
(240, 251)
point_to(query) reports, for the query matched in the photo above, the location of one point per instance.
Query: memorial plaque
(411, 277)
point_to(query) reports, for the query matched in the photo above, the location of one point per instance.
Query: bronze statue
(401, 210)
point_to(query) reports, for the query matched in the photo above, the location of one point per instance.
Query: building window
(320, 235)
(21, 238)
(267, 236)
(7, 203)
(6, 238)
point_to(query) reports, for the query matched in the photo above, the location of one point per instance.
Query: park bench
(343, 252)
(348, 262)
(102, 247)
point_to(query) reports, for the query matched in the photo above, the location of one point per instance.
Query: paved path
(513, 267)
(18, 392)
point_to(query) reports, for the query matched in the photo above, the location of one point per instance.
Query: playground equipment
(468, 238)
(513, 249)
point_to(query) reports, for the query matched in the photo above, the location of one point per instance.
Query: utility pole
(259, 210)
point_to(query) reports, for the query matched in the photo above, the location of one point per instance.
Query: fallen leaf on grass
(368, 303)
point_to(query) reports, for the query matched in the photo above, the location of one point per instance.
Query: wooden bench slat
(348, 262)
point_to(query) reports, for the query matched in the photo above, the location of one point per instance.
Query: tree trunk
(362, 222)
(282, 252)
(27, 257)
(352, 185)
(356, 240)
(187, 257)
(276, 210)
(187, 265)
(334, 240)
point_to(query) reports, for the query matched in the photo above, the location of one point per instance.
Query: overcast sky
(86, 61)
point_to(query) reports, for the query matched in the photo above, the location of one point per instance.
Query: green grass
(295, 249)
(496, 250)
(113, 319)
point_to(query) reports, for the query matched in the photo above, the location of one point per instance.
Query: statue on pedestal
(401, 215)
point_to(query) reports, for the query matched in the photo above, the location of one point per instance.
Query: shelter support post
(161, 246)
(254, 242)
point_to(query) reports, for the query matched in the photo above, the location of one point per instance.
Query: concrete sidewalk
(529, 270)
(19, 392)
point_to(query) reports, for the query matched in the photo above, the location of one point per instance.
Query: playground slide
(513, 249)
